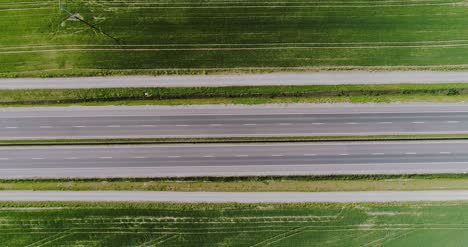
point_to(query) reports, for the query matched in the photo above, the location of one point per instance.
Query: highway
(234, 159)
(298, 78)
(234, 197)
(225, 121)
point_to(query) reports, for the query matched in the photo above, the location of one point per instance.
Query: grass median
(238, 95)
(232, 140)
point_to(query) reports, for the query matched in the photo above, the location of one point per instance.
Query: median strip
(234, 140)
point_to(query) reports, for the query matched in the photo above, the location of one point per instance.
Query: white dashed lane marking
(212, 156)
(219, 125)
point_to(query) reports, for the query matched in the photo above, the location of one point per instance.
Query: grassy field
(159, 37)
(65, 224)
(238, 95)
(249, 184)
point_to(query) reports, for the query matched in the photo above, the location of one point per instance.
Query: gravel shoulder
(267, 79)
(234, 197)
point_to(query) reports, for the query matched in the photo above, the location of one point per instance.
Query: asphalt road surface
(234, 197)
(306, 78)
(234, 159)
(141, 122)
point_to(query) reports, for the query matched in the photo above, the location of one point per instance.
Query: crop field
(65, 224)
(199, 36)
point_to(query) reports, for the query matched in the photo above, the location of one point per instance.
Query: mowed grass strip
(238, 95)
(250, 184)
(118, 224)
(184, 37)
(136, 141)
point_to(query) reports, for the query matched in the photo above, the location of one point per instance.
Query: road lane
(141, 122)
(234, 197)
(301, 78)
(234, 159)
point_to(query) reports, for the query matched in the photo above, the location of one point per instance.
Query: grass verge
(238, 95)
(59, 73)
(250, 184)
(143, 224)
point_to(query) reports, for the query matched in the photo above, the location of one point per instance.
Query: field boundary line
(272, 44)
(267, 2)
(25, 9)
(232, 48)
(285, 6)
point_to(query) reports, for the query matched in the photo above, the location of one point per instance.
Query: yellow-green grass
(211, 36)
(250, 184)
(112, 224)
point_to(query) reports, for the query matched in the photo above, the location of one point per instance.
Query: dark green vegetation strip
(112, 224)
(237, 95)
(203, 36)
(233, 140)
(251, 184)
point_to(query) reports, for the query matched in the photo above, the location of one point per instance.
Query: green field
(200, 36)
(64, 224)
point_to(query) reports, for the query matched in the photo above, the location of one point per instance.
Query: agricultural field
(181, 36)
(99, 224)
